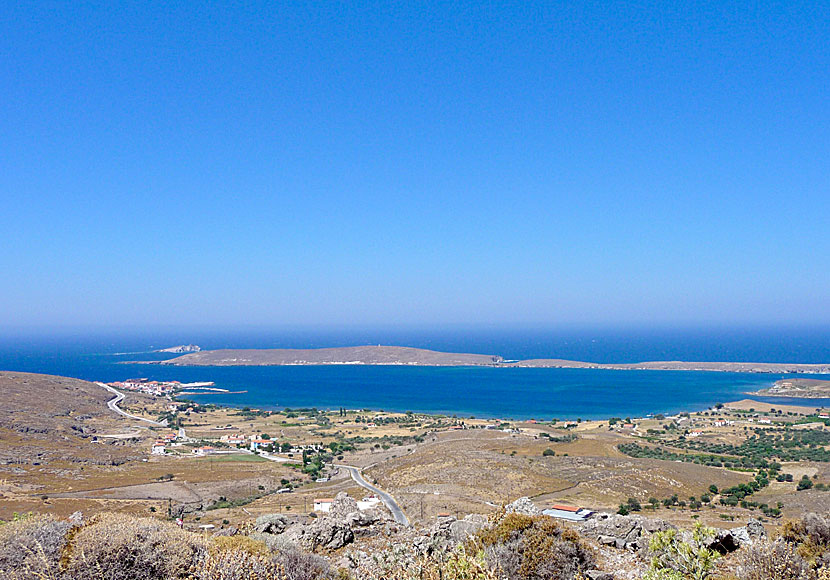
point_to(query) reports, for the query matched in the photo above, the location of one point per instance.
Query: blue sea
(481, 392)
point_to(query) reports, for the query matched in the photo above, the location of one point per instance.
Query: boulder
(598, 575)
(329, 533)
(362, 518)
(343, 505)
(271, 524)
(524, 506)
(730, 540)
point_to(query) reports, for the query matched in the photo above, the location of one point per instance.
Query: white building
(570, 513)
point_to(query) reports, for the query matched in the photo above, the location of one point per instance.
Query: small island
(400, 355)
(181, 349)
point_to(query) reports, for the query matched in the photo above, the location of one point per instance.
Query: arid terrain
(63, 450)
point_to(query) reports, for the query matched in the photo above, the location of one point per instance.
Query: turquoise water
(464, 391)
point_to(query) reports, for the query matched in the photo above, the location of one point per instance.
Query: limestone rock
(523, 505)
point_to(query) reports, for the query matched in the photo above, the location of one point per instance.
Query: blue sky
(528, 163)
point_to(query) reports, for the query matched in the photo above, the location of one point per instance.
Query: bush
(237, 565)
(30, 547)
(777, 561)
(811, 536)
(299, 565)
(120, 547)
(522, 547)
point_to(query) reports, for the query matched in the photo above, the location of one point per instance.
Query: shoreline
(666, 366)
(461, 415)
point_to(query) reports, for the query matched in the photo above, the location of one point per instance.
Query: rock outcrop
(623, 532)
(326, 532)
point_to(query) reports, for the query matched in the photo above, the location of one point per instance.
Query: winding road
(113, 405)
(386, 498)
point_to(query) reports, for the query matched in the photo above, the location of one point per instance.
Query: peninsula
(798, 388)
(399, 355)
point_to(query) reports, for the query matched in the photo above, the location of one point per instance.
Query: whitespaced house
(202, 451)
(233, 439)
(257, 443)
(567, 512)
(323, 504)
(158, 448)
(367, 503)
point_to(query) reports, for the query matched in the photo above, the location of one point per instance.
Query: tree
(805, 483)
(713, 489)
(548, 452)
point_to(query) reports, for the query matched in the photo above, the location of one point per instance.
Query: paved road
(113, 405)
(276, 458)
(387, 499)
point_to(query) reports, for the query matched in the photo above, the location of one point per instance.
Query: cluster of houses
(235, 440)
(148, 387)
(256, 443)
(160, 445)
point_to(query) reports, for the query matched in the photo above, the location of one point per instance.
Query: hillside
(365, 355)
(47, 418)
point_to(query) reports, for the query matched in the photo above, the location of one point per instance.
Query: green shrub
(674, 558)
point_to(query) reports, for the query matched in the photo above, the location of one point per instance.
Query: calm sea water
(481, 392)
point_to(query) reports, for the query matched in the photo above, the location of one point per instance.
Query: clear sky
(543, 163)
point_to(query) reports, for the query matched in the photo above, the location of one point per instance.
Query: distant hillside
(400, 355)
(364, 355)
